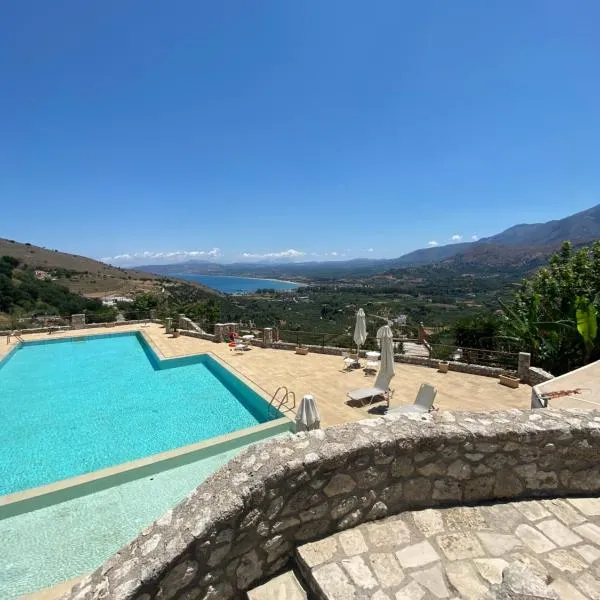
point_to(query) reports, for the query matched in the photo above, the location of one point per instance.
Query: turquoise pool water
(66, 540)
(78, 405)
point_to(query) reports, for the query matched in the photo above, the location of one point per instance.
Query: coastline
(196, 278)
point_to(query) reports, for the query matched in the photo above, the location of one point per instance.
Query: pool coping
(88, 483)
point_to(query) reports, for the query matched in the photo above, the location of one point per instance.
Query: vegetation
(553, 314)
(21, 294)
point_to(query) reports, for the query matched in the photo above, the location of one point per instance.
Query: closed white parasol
(360, 329)
(386, 338)
(307, 415)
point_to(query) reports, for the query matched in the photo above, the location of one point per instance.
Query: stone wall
(78, 321)
(536, 376)
(83, 326)
(411, 360)
(242, 524)
(202, 336)
(186, 324)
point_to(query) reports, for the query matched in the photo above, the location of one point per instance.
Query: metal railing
(475, 356)
(52, 321)
(311, 338)
(336, 340)
(277, 403)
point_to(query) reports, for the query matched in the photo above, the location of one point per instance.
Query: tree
(551, 314)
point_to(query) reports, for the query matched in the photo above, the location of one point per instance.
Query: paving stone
(566, 591)
(458, 546)
(378, 595)
(352, 542)
(533, 510)
(564, 511)
(519, 584)
(319, 552)
(498, 544)
(391, 532)
(464, 579)
(588, 506)
(464, 517)
(533, 564)
(429, 521)
(282, 587)
(589, 586)
(533, 539)
(334, 583)
(387, 569)
(433, 580)
(417, 555)
(502, 517)
(588, 553)
(590, 532)
(491, 568)
(412, 591)
(566, 561)
(360, 573)
(558, 533)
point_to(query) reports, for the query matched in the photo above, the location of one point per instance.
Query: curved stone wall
(243, 523)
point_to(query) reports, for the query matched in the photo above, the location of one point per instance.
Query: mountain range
(523, 246)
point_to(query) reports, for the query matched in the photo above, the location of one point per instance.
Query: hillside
(579, 228)
(86, 276)
(520, 249)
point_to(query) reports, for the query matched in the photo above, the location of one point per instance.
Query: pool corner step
(283, 587)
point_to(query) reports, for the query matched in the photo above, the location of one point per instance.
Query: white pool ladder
(281, 402)
(14, 334)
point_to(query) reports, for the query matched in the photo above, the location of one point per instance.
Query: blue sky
(317, 129)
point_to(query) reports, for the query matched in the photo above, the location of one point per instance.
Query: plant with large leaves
(551, 314)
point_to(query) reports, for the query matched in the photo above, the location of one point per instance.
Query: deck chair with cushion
(423, 402)
(381, 388)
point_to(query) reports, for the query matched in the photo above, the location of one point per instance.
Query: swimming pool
(77, 405)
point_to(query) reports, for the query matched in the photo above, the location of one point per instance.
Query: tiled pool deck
(321, 375)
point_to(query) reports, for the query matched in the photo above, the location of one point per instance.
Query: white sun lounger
(381, 388)
(423, 402)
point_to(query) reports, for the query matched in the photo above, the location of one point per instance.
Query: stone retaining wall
(243, 523)
(453, 366)
(196, 334)
(79, 327)
(536, 376)
(401, 358)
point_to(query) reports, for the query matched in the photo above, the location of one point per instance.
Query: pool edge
(67, 489)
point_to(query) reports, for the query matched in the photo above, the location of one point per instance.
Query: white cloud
(456, 237)
(432, 243)
(370, 249)
(172, 256)
(474, 237)
(334, 254)
(291, 253)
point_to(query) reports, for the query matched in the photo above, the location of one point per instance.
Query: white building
(112, 300)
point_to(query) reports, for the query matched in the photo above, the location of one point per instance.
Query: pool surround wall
(242, 524)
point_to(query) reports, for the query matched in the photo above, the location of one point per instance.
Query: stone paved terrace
(322, 376)
(248, 521)
(460, 552)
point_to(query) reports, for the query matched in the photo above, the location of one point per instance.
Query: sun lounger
(239, 347)
(423, 402)
(380, 389)
(350, 362)
(372, 366)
